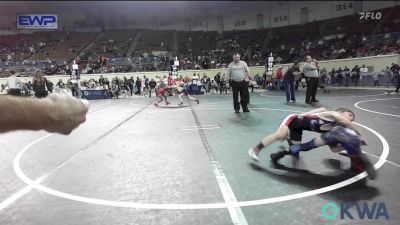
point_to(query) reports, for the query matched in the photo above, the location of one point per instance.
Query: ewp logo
(37, 21)
(376, 211)
(370, 15)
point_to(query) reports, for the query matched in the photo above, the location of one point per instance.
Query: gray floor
(133, 163)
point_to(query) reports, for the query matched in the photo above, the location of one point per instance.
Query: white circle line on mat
(373, 100)
(38, 186)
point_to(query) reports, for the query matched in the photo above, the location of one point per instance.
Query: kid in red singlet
(161, 93)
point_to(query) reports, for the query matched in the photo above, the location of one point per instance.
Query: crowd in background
(113, 51)
(345, 77)
(217, 84)
(107, 52)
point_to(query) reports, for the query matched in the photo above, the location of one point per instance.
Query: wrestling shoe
(198, 101)
(167, 103)
(156, 104)
(275, 157)
(253, 153)
(368, 167)
(180, 103)
(361, 163)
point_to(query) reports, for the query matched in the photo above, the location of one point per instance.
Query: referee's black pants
(312, 87)
(15, 91)
(243, 89)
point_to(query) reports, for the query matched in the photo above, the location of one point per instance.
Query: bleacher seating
(335, 38)
(20, 46)
(155, 40)
(197, 41)
(66, 47)
(113, 43)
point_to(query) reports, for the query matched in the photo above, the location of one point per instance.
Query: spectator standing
(388, 75)
(131, 85)
(332, 76)
(49, 86)
(146, 83)
(39, 85)
(264, 83)
(75, 69)
(288, 81)
(142, 87)
(208, 85)
(339, 76)
(138, 86)
(346, 72)
(268, 81)
(363, 74)
(101, 80)
(355, 74)
(223, 86)
(376, 79)
(395, 70)
(217, 79)
(325, 80)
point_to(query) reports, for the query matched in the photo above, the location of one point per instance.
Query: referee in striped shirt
(311, 72)
(238, 75)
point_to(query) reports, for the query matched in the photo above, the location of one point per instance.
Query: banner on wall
(37, 21)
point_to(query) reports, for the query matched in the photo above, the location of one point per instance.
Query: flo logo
(376, 210)
(370, 15)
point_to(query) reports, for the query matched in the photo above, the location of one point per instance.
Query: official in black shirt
(152, 85)
(288, 81)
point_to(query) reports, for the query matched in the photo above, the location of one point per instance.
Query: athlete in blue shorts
(182, 90)
(318, 120)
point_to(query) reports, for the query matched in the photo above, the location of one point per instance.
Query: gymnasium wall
(280, 14)
(257, 15)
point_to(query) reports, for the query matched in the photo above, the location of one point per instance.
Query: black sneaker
(275, 157)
